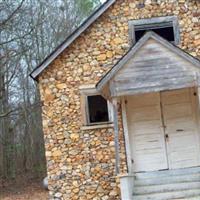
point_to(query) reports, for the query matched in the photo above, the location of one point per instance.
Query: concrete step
(173, 195)
(168, 179)
(166, 188)
(189, 198)
(164, 173)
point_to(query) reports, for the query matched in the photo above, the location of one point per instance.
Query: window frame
(91, 91)
(153, 23)
(88, 112)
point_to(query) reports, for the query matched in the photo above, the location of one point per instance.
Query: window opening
(97, 109)
(167, 27)
(166, 32)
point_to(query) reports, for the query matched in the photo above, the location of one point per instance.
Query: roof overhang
(107, 85)
(49, 59)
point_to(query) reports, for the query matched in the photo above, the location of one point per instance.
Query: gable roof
(75, 34)
(110, 74)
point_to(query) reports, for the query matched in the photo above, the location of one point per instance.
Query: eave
(69, 40)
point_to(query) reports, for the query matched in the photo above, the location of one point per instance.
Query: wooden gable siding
(153, 68)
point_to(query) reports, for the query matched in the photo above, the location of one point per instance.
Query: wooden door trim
(195, 107)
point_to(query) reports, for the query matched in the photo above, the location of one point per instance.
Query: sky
(102, 1)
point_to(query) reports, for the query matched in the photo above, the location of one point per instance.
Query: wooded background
(29, 31)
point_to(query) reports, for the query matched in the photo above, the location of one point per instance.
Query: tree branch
(6, 114)
(12, 14)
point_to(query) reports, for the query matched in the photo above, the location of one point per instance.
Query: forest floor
(23, 190)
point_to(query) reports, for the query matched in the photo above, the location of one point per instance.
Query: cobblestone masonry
(81, 164)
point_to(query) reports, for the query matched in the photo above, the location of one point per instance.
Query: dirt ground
(30, 190)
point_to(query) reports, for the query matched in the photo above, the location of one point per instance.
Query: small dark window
(165, 32)
(97, 109)
(167, 27)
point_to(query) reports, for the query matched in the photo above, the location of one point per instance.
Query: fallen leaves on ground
(32, 191)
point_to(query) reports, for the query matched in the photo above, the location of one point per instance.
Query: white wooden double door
(163, 130)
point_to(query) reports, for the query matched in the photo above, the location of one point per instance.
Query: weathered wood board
(153, 67)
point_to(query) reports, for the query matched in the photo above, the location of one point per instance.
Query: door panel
(147, 113)
(176, 111)
(173, 96)
(185, 123)
(181, 128)
(146, 132)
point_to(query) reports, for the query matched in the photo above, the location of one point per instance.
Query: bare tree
(29, 30)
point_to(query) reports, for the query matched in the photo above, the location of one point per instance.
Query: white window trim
(155, 20)
(90, 90)
(99, 126)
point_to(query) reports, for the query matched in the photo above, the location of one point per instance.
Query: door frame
(126, 137)
(196, 105)
(164, 130)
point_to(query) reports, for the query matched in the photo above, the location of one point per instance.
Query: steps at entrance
(182, 184)
(168, 180)
(166, 187)
(191, 198)
(178, 195)
(165, 173)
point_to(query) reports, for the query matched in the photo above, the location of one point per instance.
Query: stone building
(121, 104)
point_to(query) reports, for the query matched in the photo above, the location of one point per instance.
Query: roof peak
(136, 47)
